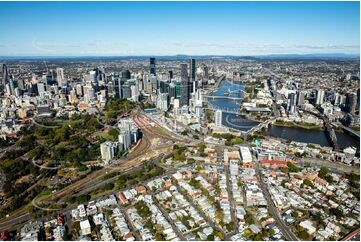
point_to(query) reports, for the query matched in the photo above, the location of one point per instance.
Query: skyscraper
(60, 76)
(291, 104)
(5, 73)
(5, 77)
(358, 100)
(170, 75)
(152, 66)
(93, 78)
(351, 100)
(205, 72)
(126, 75)
(300, 98)
(320, 94)
(184, 98)
(218, 118)
(192, 74)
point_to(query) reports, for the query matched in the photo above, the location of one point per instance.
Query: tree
(307, 182)
(108, 186)
(329, 179)
(258, 237)
(210, 237)
(238, 140)
(202, 147)
(113, 133)
(142, 209)
(229, 226)
(82, 199)
(303, 235)
(184, 132)
(323, 172)
(292, 167)
(249, 219)
(294, 214)
(159, 237)
(337, 212)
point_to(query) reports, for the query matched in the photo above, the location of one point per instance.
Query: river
(241, 123)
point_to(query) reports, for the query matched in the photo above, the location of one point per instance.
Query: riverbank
(299, 125)
(288, 131)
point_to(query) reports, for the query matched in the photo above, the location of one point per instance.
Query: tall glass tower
(152, 66)
(184, 98)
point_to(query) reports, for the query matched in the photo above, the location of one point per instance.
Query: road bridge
(219, 80)
(223, 109)
(260, 126)
(330, 132)
(349, 130)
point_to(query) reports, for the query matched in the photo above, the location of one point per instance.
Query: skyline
(172, 28)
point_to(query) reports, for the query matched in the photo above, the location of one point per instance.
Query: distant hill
(184, 56)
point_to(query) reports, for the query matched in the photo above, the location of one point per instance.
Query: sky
(171, 28)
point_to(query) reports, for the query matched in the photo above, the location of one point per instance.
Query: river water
(241, 123)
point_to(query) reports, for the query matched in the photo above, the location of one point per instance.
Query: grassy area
(42, 194)
(356, 128)
(297, 124)
(103, 134)
(70, 143)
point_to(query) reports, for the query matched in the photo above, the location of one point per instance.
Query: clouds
(258, 48)
(232, 28)
(95, 47)
(113, 48)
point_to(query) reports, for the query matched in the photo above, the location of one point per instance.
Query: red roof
(128, 235)
(274, 162)
(140, 188)
(4, 235)
(122, 198)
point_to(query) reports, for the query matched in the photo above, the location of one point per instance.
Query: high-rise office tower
(170, 75)
(152, 66)
(336, 99)
(126, 75)
(60, 76)
(21, 84)
(5, 74)
(126, 92)
(205, 72)
(358, 100)
(164, 87)
(93, 78)
(351, 100)
(184, 98)
(291, 104)
(41, 88)
(192, 74)
(5, 77)
(155, 84)
(300, 98)
(320, 95)
(218, 118)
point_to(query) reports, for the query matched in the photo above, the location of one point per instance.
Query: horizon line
(187, 55)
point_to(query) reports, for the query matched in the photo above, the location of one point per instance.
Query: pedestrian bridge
(223, 97)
